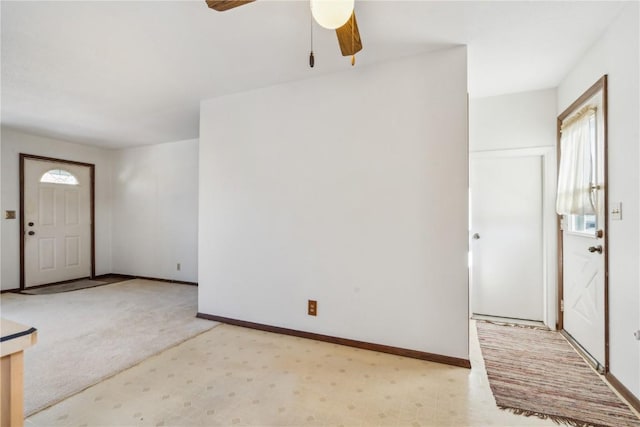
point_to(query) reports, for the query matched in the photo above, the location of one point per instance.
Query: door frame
(600, 85)
(549, 178)
(92, 212)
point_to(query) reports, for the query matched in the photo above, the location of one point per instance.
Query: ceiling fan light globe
(331, 14)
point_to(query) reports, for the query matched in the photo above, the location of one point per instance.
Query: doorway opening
(512, 229)
(57, 220)
(582, 208)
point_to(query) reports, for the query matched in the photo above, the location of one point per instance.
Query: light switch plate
(616, 211)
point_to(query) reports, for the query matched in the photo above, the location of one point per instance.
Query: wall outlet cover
(312, 308)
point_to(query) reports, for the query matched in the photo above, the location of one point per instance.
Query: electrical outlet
(178, 267)
(312, 308)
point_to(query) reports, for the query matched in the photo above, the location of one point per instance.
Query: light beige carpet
(91, 334)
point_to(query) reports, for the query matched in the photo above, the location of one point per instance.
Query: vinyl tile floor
(232, 376)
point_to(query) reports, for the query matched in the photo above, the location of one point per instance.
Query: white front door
(583, 256)
(583, 281)
(507, 278)
(57, 222)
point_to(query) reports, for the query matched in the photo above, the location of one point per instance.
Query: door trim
(600, 85)
(92, 211)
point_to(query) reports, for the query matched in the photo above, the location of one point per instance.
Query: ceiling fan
(344, 22)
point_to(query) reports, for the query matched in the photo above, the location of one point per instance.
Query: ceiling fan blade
(349, 37)
(222, 5)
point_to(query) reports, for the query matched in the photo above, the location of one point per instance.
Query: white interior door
(507, 232)
(57, 222)
(583, 257)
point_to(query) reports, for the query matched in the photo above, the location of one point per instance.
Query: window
(588, 224)
(585, 224)
(59, 176)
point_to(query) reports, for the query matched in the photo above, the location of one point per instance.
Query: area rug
(91, 334)
(535, 372)
(64, 287)
(75, 285)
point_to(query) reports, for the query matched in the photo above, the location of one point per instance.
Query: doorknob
(593, 249)
(30, 224)
(31, 233)
(475, 236)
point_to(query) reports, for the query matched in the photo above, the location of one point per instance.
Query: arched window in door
(59, 176)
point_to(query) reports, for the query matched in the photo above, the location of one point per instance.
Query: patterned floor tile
(231, 376)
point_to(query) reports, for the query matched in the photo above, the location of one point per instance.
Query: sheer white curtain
(575, 176)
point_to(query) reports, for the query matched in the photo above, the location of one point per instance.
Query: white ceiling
(128, 73)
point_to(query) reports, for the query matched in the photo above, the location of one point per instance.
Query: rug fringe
(555, 418)
(515, 325)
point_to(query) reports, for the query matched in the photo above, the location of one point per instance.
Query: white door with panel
(583, 254)
(507, 273)
(57, 222)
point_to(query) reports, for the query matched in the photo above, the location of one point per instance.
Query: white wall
(14, 143)
(524, 124)
(2, 213)
(617, 54)
(155, 211)
(350, 189)
(506, 122)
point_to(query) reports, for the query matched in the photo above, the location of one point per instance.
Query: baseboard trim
(178, 282)
(110, 276)
(624, 391)
(431, 357)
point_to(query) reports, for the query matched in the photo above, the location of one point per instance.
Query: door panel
(46, 253)
(57, 224)
(46, 206)
(72, 251)
(583, 278)
(507, 256)
(72, 207)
